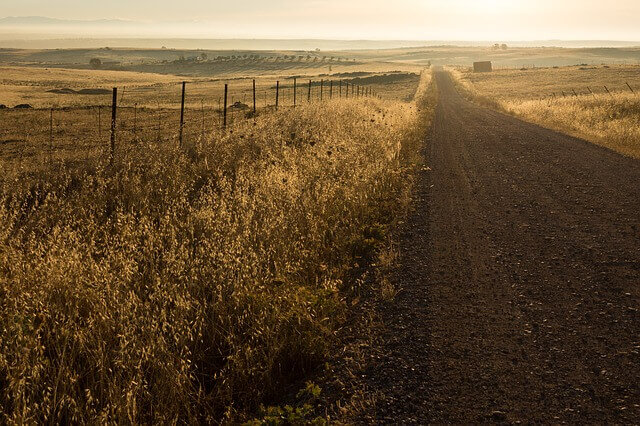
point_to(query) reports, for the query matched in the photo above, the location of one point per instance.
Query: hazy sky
(357, 19)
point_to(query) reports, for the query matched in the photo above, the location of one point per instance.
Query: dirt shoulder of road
(344, 397)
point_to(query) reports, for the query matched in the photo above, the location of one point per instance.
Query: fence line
(114, 112)
(129, 119)
(562, 94)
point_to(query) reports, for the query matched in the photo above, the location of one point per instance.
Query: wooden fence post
(184, 86)
(277, 93)
(99, 122)
(331, 89)
(340, 87)
(295, 92)
(135, 120)
(321, 89)
(608, 92)
(254, 96)
(309, 95)
(630, 88)
(224, 119)
(159, 123)
(347, 91)
(202, 108)
(114, 104)
(50, 135)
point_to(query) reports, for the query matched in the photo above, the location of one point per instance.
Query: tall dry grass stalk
(606, 121)
(609, 120)
(190, 285)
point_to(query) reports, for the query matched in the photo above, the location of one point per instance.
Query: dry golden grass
(149, 105)
(31, 85)
(188, 285)
(536, 95)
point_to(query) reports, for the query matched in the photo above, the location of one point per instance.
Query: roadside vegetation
(573, 100)
(62, 87)
(193, 284)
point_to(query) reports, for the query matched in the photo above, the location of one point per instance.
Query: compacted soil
(519, 280)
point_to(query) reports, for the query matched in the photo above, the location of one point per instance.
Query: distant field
(33, 85)
(64, 124)
(213, 63)
(527, 84)
(204, 63)
(570, 99)
(512, 57)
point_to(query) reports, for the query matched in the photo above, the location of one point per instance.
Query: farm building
(484, 66)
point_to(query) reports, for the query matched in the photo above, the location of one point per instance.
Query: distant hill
(44, 21)
(39, 32)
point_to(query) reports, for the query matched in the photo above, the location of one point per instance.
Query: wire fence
(178, 112)
(607, 91)
(592, 93)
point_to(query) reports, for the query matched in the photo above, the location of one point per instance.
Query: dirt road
(519, 277)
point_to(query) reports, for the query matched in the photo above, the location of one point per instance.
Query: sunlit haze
(336, 19)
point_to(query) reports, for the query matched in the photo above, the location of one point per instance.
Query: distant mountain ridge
(43, 20)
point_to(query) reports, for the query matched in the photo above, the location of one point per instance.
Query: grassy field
(205, 63)
(265, 62)
(188, 284)
(511, 57)
(31, 85)
(70, 127)
(573, 100)
(34, 85)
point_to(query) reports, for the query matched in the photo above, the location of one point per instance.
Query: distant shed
(484, 66)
